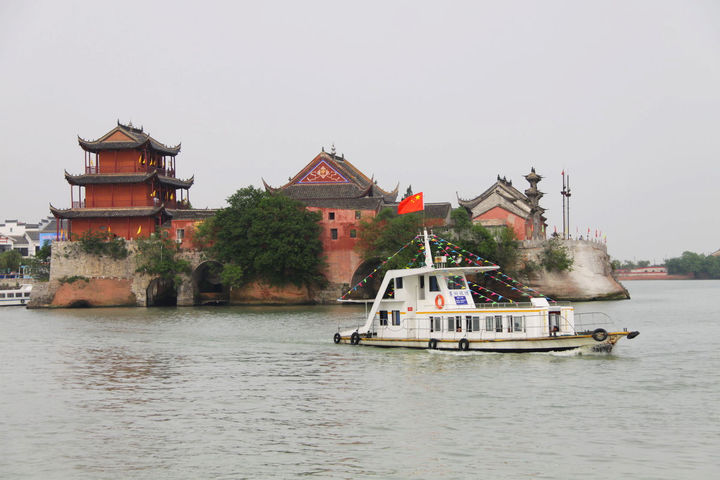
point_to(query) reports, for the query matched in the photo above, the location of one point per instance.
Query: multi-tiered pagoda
(127, 187)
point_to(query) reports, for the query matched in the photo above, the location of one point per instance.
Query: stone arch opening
(370, 288)
(80, 304)
(161, 293)
(208, 288)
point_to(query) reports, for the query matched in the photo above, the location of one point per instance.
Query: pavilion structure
(128, 187)
(345, 196)
(502, 205)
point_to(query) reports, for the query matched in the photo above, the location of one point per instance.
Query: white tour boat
(16, 296)
(433, 307)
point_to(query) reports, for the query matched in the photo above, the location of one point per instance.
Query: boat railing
(587, 322)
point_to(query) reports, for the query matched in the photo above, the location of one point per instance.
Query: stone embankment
(590, 278)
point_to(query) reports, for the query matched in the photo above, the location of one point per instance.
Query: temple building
(502, 205)
(331, 185)
(128, 187)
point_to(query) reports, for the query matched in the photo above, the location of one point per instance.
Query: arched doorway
(208, 288)
(370, 288)
(161, 293)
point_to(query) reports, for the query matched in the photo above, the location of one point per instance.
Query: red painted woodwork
(518, 224)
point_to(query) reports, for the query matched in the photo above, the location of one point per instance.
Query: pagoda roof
(191, 213)
(106, 212)
(431, 210)
(507, 197)
(110, 178)
(329, 176)
(125, 137)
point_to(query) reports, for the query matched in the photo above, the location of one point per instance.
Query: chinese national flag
(413, 203)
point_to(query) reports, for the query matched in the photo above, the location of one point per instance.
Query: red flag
(413, 203)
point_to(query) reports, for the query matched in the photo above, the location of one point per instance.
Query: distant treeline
(689, 263)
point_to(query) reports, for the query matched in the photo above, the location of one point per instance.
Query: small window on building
(383, 318)
(353, 233)
(398, 283)
(358, 215)
(438, 324)
(434, 287)
(333, 233)
(180, 233)
(498, 323)
(396, 317)
(331, 216)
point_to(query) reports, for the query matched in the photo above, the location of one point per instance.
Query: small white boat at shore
(16, 296)
(432, 307)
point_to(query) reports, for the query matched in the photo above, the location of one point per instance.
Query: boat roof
(408, 272)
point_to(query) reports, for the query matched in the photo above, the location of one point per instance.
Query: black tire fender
(337, 338)
(600, 335)
(432, 344)
(632, 335)
(464, 345)
(354, 338)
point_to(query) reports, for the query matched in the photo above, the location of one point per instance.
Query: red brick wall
(122, 227)
(518, 224)
(341, 257)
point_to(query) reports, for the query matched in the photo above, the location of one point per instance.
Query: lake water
(230, 392)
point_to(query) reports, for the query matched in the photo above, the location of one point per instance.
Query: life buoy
(354, 338)
(599, 335)
(432, 344)
(337, 338)
(464, 345)
(439, 301)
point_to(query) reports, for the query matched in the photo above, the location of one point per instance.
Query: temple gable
(322, 172)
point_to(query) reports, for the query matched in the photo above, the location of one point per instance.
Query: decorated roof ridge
(130, 177)
(499, 183)
(137, 136)
(342, 166)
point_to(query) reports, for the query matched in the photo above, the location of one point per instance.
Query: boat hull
(526, 345)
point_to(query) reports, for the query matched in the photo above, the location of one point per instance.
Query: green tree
(555, 256)
(40, 263)
(269, 237)
(385, 234)
(157, 255)
(10, 261)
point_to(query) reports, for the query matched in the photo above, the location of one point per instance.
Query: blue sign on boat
(461, 301)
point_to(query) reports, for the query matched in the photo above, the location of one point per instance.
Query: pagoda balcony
(78, 204)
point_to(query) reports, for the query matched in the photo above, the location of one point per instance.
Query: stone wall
(590, 278)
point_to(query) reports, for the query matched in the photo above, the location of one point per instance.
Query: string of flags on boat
(458, 255)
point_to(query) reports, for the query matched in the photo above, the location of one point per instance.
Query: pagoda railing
(91, 169)
(78, 204)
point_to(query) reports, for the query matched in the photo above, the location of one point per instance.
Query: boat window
(399, 282)
(475, 324)
(456, 282)
(27, 294)
(2, 295)
(451, 324)
(438, 324)
(489, 324)
(383, 317)
(518, 323)
(18, 295)
(554, 320)
(390, 291)
(431, 324)
(458, 323)
(421, 290)
(468, 324)
(396, 317)
(498, 323)
(434, 287)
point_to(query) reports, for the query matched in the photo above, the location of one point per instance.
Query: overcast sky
(443, 96)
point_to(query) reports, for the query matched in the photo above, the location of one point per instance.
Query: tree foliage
(690, 263)
(103, 244)
(10, 261)
(382, 236)
(265, 236)
(157, 255)
(499, 246)
(40, 263)
(555, 256)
